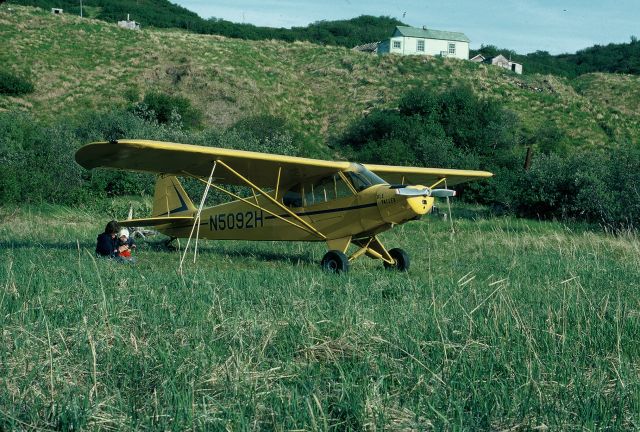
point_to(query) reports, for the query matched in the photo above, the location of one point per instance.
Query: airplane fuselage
(368, 212)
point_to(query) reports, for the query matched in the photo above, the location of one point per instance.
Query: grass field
(505, 325)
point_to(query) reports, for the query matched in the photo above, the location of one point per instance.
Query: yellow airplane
(292, 198)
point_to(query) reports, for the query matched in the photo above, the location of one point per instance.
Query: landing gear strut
(335, 261)
(401, 259)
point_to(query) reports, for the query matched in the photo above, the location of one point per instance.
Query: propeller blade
(443, 193)
(436, 193)
(410, 192)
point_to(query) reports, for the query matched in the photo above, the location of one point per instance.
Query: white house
(504, 62)
(500, 61)
(423, 41)
(128, 24)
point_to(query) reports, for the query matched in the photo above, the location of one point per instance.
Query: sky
(557, 26)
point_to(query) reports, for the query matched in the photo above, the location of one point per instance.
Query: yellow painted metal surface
(310, 199)
(425, 176)
(261, 168)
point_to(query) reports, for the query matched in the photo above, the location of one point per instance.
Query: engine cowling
(396, 207)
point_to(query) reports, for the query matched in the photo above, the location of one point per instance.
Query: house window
(397, 44)
(452, 48)
(420, 46)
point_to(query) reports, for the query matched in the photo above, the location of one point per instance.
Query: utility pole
(80, 8)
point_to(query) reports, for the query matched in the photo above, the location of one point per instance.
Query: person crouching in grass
(125, 245)
(107, 242)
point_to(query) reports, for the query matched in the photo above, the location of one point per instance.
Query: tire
(401, 258)
(335, 261)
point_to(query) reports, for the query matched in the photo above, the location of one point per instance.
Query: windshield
(361, 178)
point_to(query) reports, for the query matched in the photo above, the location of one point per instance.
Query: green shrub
(263, 133)
(595, 186)
(168, 109)
(14, 85)
(451, 129)
(37, 161)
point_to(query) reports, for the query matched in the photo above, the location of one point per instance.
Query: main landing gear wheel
(335, 261)
(401, 258)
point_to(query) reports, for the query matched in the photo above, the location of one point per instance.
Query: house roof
(431, 34)
(368, 47)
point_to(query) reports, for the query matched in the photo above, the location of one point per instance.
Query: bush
(38, 162)
(599, 187)
(167, 109)
(13, 85)
(451, 129)
(263, 133)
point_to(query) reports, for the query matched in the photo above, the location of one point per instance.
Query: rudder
(170, 198)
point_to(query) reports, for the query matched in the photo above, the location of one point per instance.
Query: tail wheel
(335, 261)
(401, 259)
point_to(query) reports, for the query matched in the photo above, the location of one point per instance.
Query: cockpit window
(323, 190)
(361, 178)
(331, 187)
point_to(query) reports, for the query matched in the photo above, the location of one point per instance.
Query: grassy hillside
(506, 325)
(80, 64)
(165, 14)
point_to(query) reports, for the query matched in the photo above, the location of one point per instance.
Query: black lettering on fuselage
(238, 220)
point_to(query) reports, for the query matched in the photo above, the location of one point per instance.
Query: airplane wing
(261, 168)
(184, 159)
(425, 176)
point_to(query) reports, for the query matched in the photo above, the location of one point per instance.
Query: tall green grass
(506, 324)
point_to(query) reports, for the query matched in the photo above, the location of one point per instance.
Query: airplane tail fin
(170, 198)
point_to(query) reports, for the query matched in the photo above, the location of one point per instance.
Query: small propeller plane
(292, 198)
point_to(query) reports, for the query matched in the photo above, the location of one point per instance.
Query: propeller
(436, 193)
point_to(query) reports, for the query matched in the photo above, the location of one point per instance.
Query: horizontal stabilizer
(155, 221)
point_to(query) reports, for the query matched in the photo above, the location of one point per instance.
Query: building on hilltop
(131, 25)
(371, 48)
(500, 61)
(423, 41)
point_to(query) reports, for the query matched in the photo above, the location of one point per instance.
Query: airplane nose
(398, 205)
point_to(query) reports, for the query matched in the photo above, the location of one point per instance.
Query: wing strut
(274, 201)
(453, 231)
(196, 221)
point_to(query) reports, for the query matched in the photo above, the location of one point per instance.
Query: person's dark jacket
(107, 246)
